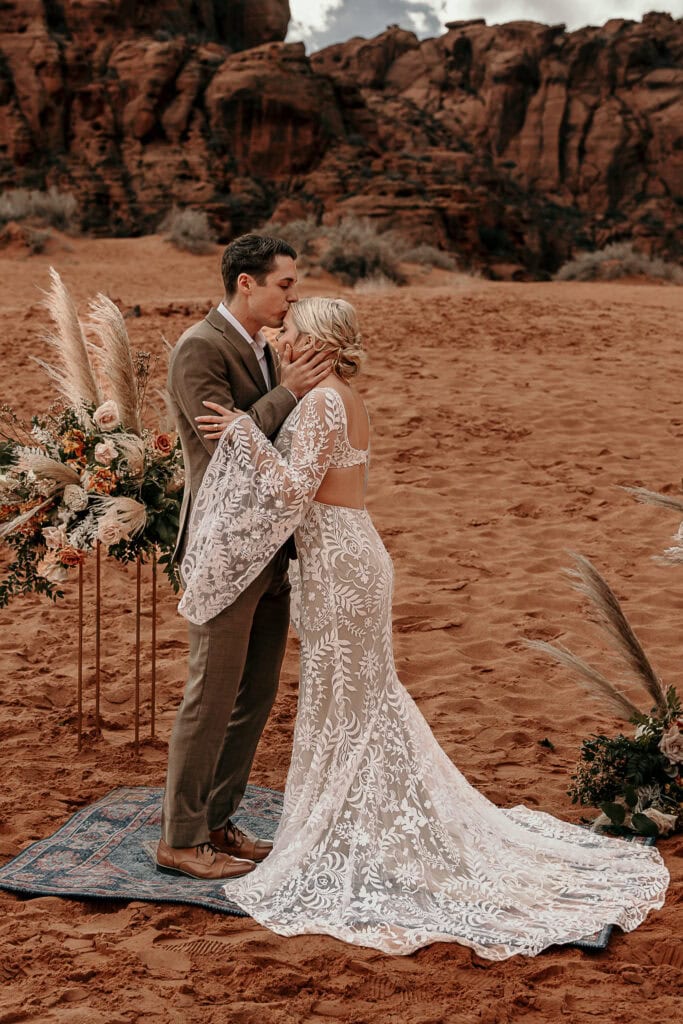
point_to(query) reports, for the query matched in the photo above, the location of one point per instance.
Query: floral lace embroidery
(382, 842)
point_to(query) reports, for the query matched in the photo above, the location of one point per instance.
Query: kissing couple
(382, 841)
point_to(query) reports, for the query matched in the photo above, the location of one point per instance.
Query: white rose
(55, 537)
(75, 498)
(106, 452)
(106, 416)
(52, 571)
(671, 744)
(109, 533)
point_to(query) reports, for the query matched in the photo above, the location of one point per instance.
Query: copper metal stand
(98, 632)
(152, 723)
(138, 604)
(80, 654)
(98, 645)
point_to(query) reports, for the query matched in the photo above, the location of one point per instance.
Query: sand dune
(505, 420)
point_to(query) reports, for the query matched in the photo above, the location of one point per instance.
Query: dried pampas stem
(19, 521)
(74, 375)
(167, 421)
(597, 590)
(117, 362)
(129, 514)
(593, 681)
(133, 450)
(46, 468)
(654, 498)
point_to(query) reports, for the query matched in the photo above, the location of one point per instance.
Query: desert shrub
(376, 283)
(619, 259)
(357, 250)
(54, 208)
(301, 234)
(36, 239)
(429, 256)
(188, 229)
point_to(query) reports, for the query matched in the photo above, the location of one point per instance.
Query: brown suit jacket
(213, 362)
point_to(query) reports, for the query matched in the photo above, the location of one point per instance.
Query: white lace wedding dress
(382, 841)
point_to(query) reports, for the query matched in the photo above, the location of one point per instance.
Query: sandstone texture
(513, 145)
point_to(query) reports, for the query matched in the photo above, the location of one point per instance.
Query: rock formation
(513, 144)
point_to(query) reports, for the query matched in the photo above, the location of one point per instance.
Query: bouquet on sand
(87, 471)
(636, 781)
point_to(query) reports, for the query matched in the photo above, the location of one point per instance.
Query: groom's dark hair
(254, 255)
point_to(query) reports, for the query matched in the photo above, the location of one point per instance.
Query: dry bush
(356, 250)
(375, 283)
(619, 259)
(429, 256)
(189, 230)
(301, 234)
(53, 208)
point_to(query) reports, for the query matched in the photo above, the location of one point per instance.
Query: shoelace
(233, 834)
(206, 848)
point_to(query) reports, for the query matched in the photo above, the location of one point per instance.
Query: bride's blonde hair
(331, 324)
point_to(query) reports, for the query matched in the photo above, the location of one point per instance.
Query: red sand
(505, 417)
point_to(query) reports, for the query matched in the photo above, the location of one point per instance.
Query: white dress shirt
(258, 343)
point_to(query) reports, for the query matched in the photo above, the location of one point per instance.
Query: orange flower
(71, 556)
(163, 444)
(101, 480)
(73, 443)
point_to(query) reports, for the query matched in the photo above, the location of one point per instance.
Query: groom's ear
(245, 283)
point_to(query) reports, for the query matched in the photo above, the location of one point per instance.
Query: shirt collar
(258, 343)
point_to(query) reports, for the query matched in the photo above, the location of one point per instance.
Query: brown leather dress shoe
(203, 861)
(232, 840)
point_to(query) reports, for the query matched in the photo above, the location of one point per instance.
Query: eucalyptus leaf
(615, 812)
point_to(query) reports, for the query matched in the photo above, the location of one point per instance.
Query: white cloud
(321, 22)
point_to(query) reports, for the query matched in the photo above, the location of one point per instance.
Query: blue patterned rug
(107, 851)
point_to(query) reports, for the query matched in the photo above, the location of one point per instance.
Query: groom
(235, 658)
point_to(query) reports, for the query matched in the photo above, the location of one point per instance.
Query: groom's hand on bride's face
(303, 371)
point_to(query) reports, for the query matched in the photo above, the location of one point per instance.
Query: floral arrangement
(636, 781)
(86, 471)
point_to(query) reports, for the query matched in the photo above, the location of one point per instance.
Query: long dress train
(382, 841)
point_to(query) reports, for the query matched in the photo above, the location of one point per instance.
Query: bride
(382, 841)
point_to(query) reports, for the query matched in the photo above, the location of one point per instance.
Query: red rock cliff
(510, 144)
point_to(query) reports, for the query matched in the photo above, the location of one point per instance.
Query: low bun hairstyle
(332, 324)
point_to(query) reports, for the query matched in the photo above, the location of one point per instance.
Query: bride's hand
(213, 426)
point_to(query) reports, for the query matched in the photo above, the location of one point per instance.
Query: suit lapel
(240, 345)
(273, 365)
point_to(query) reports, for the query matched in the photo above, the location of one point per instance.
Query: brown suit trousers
(235, 658)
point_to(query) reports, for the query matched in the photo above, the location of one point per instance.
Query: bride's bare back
(346, 486)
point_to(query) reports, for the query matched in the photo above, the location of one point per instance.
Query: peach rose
(106, 452)
(163, 444)
(671, 744)
(109, 533)
(106, 416)
(70, 556)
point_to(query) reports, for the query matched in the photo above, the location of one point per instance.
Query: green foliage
(627, 776)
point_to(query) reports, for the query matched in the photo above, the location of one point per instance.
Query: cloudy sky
(322, 22)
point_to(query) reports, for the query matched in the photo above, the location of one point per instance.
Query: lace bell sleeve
(251, 500)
